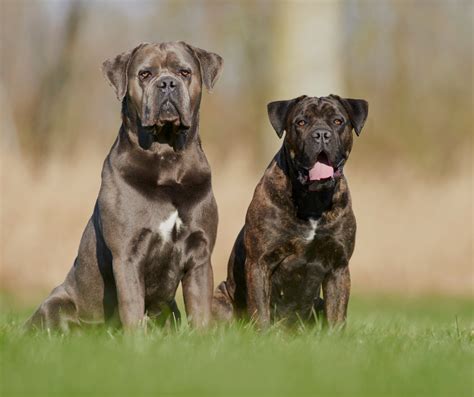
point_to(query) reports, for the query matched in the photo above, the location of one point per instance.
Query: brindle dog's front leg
(258, 292)
(130, 293)
(336, 290)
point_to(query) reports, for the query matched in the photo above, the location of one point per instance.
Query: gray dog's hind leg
(57, 312)
(222, 305)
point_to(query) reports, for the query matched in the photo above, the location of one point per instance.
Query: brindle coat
(299, 234)
(155, 220)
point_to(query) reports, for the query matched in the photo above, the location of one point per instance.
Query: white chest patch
(312, 230)
(166, 227)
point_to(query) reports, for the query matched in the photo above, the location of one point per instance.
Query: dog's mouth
(168, 120)
(322, 171)
(168, 115)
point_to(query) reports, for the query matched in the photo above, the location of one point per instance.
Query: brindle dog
(299, 232)
(155, 220)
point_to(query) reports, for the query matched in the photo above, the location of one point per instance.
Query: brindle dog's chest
(296, 281)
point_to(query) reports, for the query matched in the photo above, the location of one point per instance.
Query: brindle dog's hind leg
(222, 305)
(57, 312)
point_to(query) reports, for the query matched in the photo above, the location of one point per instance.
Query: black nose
(322, 135)
(167, 85)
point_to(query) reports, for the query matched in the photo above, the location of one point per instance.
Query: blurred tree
(413, 62)
(306, 52)
(47, 102)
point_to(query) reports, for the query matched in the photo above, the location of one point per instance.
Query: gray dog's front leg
(197, 291)
(130, 293)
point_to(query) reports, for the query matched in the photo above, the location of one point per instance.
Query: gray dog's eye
(144, 74)
(338, 121)
(184, 72)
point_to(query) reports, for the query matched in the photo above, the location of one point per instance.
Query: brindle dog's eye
(301, 123)
(144, 74)
(184, 72)
(337, 121)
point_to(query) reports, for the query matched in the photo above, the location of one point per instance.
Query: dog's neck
(146, 162)
(145, 138)
(308, 204)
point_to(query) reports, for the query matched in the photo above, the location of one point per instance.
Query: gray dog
(155, 221)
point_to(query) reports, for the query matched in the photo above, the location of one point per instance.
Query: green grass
(389, 348)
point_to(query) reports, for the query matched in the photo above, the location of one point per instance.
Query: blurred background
(410, 173)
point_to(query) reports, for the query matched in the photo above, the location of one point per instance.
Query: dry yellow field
(414, 233)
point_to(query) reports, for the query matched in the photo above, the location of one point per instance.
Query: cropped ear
(277, 112)
(357, 109)
(210, 63)
(115, 71)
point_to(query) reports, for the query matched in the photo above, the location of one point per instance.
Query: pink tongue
(320, 171)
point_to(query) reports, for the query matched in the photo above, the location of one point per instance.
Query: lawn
(391, 347)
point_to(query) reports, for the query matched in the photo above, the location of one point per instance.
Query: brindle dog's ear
(277, 112)
(357, 109)
(211, 65)
(115, 71)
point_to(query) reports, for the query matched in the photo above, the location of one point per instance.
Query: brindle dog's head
(160, 83)
(318, 134)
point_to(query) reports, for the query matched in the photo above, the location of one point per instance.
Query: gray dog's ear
(211, 65)
(357, 109)
(115, 70)
(277, 112)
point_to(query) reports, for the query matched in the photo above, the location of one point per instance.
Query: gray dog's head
(318, 133)
(162, 82)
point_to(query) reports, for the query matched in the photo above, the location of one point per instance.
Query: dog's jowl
(299, 231)
(155, 220)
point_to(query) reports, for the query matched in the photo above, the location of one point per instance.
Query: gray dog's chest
(151, 233)
(158, 247)
(166, 229)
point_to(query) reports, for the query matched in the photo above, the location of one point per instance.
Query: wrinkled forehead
(163, 55)
(317, 107)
